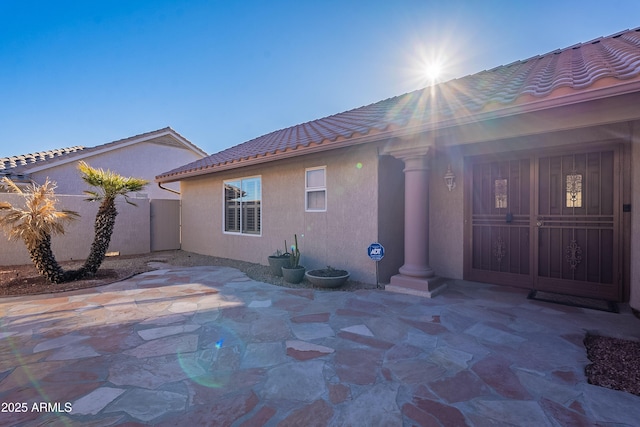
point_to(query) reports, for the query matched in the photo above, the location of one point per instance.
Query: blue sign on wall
(375, 251)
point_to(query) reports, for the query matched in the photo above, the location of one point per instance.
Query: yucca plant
(108, 185)
(35, 224)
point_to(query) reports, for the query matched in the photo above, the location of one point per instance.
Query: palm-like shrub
(108, 185)
(35, 224)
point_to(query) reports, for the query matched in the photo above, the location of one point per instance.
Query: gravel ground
(24, 279)
(615, 363)
(258, 272)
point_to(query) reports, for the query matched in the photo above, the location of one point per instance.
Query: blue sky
(87, 72)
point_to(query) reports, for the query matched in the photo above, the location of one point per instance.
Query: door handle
(540, 223)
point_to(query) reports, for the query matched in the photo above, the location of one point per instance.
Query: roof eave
(269, 157)
(544, 103)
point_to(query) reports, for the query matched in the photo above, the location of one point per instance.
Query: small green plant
(295, 253)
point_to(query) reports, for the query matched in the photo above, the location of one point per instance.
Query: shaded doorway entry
(546, 221)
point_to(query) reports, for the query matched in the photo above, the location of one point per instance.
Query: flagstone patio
(209, 346)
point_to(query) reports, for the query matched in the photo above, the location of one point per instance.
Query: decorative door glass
(574, 190)
(501, 191)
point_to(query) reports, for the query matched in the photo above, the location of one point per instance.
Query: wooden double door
(546, 221)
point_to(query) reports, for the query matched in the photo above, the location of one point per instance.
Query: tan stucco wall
(391, 216)
(338, 237)
(142, 160)
(130, 235)
(446, 216)
(634, 300)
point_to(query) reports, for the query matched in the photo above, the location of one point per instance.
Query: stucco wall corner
(634, 282)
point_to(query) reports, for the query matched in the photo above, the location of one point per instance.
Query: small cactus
(295, 253)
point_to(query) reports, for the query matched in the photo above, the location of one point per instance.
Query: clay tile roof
(40, 156)
(576, 67)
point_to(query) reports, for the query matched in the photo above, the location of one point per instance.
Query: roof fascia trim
(537, 105)
(511, 110)
(291, 153)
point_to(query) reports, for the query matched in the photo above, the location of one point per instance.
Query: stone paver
(209, 346)
(95, 401)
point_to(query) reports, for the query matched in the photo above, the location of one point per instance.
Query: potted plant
(328, 277)
(279, 260)
(294, 272)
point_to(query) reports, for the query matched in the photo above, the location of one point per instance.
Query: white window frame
(308, 189)
(224, 207)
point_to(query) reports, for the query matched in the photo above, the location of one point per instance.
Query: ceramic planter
(293, 275)
(277, 262)
(327, 278)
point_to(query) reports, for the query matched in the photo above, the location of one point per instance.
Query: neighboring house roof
(9, 166)
(561, 74)
(19, 167)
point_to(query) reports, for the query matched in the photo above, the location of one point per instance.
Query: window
(315, 190)
(242, 205)
(574, 190)
(501, 190)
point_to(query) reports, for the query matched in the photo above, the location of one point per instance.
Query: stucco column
(416, 276)
(416, 217)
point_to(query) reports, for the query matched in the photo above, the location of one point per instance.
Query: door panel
(500, 222)
(577, 228)
(547, 222)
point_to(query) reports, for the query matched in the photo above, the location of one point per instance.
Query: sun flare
(432, 60)
(430, 67)
(433, 71)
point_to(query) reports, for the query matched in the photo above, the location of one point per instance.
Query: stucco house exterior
(153, 224)
(523, 175)
(143, 156)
